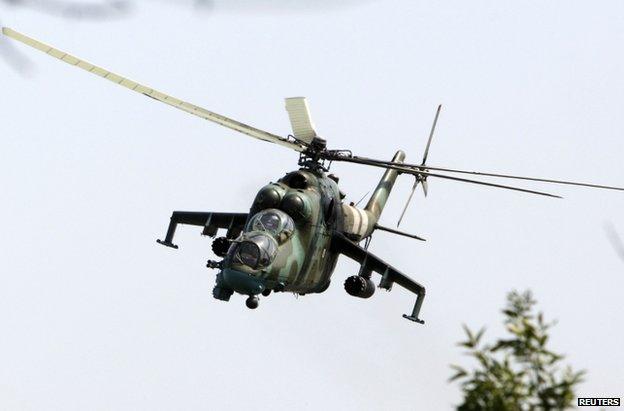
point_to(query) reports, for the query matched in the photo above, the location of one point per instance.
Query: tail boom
(379, 197)
(359, 223)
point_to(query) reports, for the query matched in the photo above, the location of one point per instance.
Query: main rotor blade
(524, 190)
(415, 172)
(433, 126)
(477, 173)
(300, 119)
(541, 180)
(155, 94)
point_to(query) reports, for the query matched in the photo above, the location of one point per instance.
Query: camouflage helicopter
(297, 227)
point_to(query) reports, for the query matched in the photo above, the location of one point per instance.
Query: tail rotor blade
(615, 239)
(409, 199)
(425, 187)
(422, 179)
(433, 126)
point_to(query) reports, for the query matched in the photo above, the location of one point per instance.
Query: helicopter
(299, 226)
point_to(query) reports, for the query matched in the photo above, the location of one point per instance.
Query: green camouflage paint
(379, 197)
(304, 263)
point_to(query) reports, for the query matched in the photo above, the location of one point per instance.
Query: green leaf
(459, 374)
(468, 332)
(479, 335)
(510, 313)
(519, 373)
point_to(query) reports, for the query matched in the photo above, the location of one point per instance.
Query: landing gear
(252, 302)
(266, 292)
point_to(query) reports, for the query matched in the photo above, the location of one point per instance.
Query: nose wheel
(252, 302)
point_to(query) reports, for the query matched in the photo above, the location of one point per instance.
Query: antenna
(422, 178)
(362, 199)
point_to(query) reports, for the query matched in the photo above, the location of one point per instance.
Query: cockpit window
(273, 221)
(257, 250)
(270, 222)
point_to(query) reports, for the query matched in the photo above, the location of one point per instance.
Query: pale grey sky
(96, 315)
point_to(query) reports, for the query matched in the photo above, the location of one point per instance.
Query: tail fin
(379, 197)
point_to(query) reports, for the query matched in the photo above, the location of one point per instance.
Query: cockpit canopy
(258, 246)
(257, 250)
(274, 222)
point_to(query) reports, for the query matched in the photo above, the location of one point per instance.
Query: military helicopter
(297, 227)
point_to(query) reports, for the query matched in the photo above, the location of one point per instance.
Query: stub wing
(389, 274)
(212, 222)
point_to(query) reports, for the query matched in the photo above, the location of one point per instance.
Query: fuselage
(290, 224)
(286, 244)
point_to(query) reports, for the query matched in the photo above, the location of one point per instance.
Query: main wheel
(252, 302)
(266, 292)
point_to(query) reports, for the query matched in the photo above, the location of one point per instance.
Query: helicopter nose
(243, 283)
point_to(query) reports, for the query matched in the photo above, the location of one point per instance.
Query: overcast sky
(96, 315)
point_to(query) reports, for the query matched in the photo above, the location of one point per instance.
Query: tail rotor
(422, 179)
